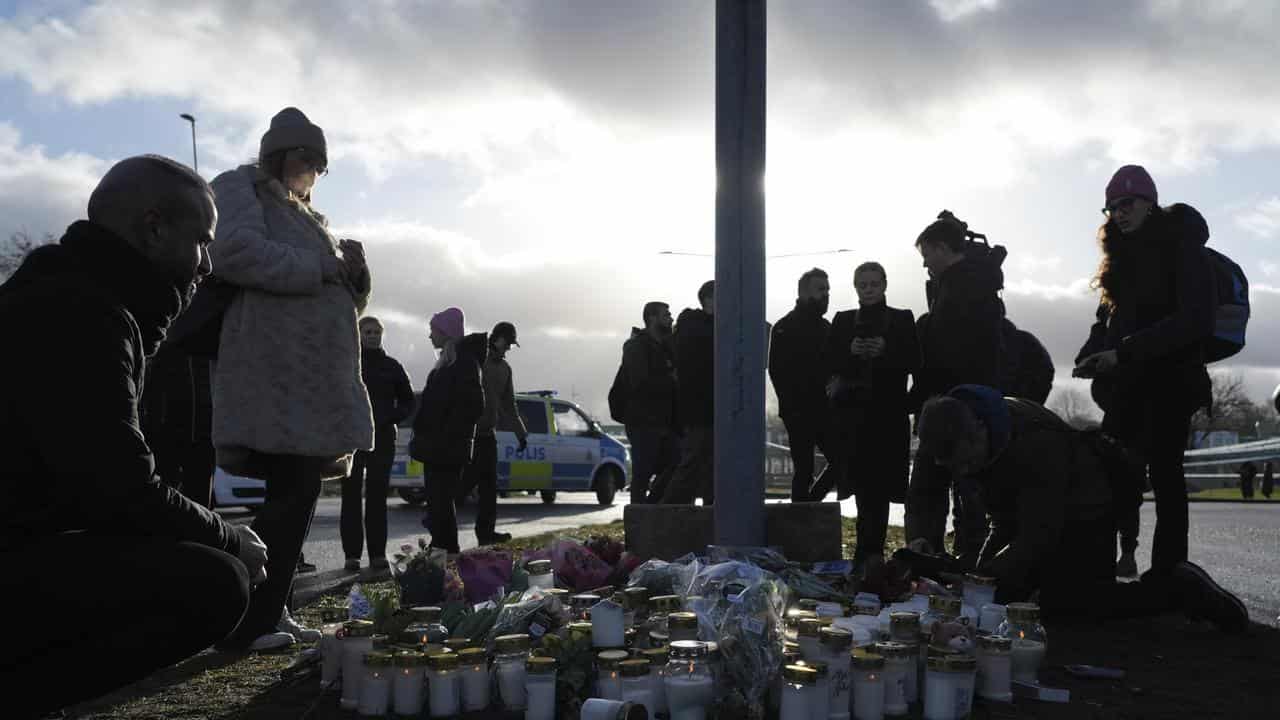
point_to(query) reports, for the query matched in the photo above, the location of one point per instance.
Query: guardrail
(1256, 451)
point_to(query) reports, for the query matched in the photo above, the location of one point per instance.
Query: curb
(308, 588)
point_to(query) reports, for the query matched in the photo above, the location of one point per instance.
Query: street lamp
(195, 162)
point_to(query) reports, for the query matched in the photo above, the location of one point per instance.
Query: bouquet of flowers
(420, 574)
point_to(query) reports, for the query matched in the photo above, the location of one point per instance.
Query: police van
(568, 452)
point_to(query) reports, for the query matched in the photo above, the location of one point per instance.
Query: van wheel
(548, 497)
(607, 483)
(413, 496)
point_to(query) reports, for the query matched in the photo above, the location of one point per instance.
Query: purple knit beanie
(450, 322)
(1132, 181)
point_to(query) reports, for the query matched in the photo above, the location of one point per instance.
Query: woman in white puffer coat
(289, 406)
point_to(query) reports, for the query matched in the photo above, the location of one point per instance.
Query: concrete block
(805, 532)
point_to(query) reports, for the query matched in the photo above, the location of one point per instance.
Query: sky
(530, 160)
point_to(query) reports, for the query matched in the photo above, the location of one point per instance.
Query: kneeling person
(1049, 497)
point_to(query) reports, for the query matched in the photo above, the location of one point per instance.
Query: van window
(534, 414)
(569, 421)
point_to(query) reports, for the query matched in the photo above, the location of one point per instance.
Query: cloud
(39, 193)
(952, 10)
(1262, 220)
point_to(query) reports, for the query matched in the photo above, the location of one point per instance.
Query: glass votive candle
(808, 631)
(511, 652)
(540, 575)
(979, 590)
(601, 709)
(609, 674)
(899, 663)
(995, 668)
(409, 675)
(682, 626)
(690, 687)
(474, 670)
(580, 606)
(637, 688)
(948, 687)
(904, 626)
(798, 683)
(330, 645)
(540, 688)
(791, 622)
(990, 616)
(375, 686)
(820, 700)
(868, 686)
(658, 658)
(357, 639)
(442, 675)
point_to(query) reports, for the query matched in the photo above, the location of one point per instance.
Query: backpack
(1231, 290)
(618, 396)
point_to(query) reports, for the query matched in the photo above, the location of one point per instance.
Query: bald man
(131, 575)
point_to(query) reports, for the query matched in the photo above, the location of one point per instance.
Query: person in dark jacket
(960, 342)
(1268, 480)
(177, 416)
(695, 397)
(444, 429)
(1144, 352)
(1248, 472)
(500, 414)
(799, 374)
(649, 369)
(871, 352)
(1027, 366)
(1049, 491)
(86, 529)
(391, 395)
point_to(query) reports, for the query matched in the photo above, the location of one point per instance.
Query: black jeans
(482, 475)
(293, 485)
(370, 471)
(442, 515)
(1168, 439)
(653, 452)
(123, 606)
(693, 477)
(872, 523)
(928, 496)
(804, 435)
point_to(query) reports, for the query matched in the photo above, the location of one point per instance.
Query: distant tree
(12, 252)
(1075, 407)
(1231, 410)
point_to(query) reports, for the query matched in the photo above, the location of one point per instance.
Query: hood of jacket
(978, 274)
(474, 346)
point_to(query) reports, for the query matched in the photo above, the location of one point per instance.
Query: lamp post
(195, 162)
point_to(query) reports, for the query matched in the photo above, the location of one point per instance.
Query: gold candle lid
(809, 627)
(538, 567)
(456, 644)
(410, 659)
(995, 642)
(867, 661)
(807, 604)
(471, 656)
(507, 644)
(893, 650)
(540, 665)
(802, 674)
(358, 628)
(817, 665)
(835, 638)
(426, 613)
(378, 658)
(637, 667)
(664, 603)
(944, 605)
(610, 659)
(1023, 612)
(656, 656)
(682, 621)
(443, 661)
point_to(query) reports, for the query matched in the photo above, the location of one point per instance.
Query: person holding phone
(1144, 351)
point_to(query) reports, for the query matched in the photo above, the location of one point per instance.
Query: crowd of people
(1026, 491)
(300, 391)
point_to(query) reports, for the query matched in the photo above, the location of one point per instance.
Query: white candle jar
(580, 606)
(948, 687)
(899, 663)
(868, 686)
(682, 626)
(658, 659)
(808, 630)
(540, 575)
(636, 685)
(375, 686)
(540, 688)
(331, 645)
(798, 682)
(609, 674)
(425, 627)
(1029, 642)
(820, 700)
(904, 626)
(835, 645)
(608, 625)
(408, 677)
(690, 688)
(511, 652)
(866, 603)
(601, 709)
(979, 590)
(474, 671)
(660, 606)
(995, 668)
(941, 607)
(357, 639)
(445, 692)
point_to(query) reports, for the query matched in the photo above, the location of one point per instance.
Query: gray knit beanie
(291, 129)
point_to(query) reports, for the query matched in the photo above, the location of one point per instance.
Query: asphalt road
(1237, 543)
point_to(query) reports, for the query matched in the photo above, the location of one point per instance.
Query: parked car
(568, 452)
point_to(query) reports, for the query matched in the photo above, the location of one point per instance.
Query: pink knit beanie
(1131, 181)
(450, 322)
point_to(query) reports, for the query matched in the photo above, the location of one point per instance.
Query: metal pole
(740, 262)
(195, 161)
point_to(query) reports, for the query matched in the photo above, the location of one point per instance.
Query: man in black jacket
(86, 530)
(1050, 491)
(391, 396)
(649, 369)
(871, 353)
(500, 415)
(799, 376)
(695, 371)
(960, 342)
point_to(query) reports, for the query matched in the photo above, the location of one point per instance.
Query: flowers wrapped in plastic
(420, 574)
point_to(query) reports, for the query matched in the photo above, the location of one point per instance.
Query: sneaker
(272, 641)
(352, 565)
(305, 567)
(494, 539)
(1204, 598)
(1127, 566)
(291, 627)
